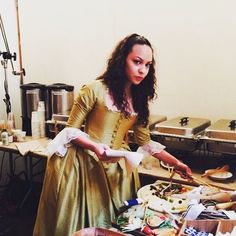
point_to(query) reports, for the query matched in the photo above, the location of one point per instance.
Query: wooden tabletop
(161, 173)
(12, 147)
(150, 170)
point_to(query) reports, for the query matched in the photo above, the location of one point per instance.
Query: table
(28, 170)
(156, 172)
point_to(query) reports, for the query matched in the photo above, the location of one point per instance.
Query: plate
(170, 204)
(165, 165)
(221, 176)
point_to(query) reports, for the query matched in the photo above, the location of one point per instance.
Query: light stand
(7, 56)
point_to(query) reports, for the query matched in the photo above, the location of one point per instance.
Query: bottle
(2, 126)
(5, 137)
(10, 125)
(11, 120)
(35, 128)
(133, 202)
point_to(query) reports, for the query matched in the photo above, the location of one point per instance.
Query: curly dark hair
(115, 79)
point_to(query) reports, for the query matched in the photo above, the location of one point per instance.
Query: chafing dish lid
(186, 126)
(224, 129)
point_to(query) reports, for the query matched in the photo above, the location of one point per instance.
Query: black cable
(5, 41)
(4, 63)
(1, 172)
(1, 167)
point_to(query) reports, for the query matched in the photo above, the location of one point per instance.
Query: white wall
(8, 15)
(69, 42)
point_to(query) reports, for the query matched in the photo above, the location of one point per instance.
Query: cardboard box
(226, 226)
(97, 232)
(209, 226)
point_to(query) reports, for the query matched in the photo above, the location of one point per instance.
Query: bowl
(220, 176)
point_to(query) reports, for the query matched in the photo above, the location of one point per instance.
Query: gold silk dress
(79, 190)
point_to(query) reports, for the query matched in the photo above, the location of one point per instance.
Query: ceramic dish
(170, 204)
(220, 176)
(165, 165)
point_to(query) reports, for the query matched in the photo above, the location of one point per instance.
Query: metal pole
(22, 72)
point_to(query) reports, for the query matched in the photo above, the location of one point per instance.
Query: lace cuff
(62, 141)
(151, 148)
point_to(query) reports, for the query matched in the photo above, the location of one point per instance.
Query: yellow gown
(79, 190)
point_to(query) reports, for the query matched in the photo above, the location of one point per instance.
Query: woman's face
(138, 62)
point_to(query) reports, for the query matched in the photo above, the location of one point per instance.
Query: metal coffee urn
(31, 94)
(59, 99)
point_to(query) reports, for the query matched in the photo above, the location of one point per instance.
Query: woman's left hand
(179, 167)
(183, 170)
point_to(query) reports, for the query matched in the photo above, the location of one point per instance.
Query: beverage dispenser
(59, 99)
(31, 94)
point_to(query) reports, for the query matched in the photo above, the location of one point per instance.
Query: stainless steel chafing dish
(221, 136)
(181, 133)
(55, 125)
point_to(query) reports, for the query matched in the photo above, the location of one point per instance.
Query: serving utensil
(171, 175)
(201, 182)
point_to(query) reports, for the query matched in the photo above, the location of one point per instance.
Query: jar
(5, 137)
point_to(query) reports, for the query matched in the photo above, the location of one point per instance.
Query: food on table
(206, 190)
(159, 196)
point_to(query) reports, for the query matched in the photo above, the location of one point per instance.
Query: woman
(83, 189)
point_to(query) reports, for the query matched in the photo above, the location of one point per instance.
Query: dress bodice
(107, 126)
(103, 124)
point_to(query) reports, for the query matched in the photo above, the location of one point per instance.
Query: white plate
(173, 205)
(165, 165)
(221, 175)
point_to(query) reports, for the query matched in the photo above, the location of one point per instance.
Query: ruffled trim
(61, 142)
(151, 148)
(109, 101)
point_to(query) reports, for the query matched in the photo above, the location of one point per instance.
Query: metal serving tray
(221, 137)
(222, 130)
(183, 126)
(180, 133)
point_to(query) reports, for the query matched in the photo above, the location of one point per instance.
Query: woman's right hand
(100, 150)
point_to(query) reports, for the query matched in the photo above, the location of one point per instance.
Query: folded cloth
(132, 159)
(30, 146)
(194, 211)
(62, 141)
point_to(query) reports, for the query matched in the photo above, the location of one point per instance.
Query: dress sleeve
(141, 134)
(83, 104)
(62, 141)
(151, 148)
(146, 145)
